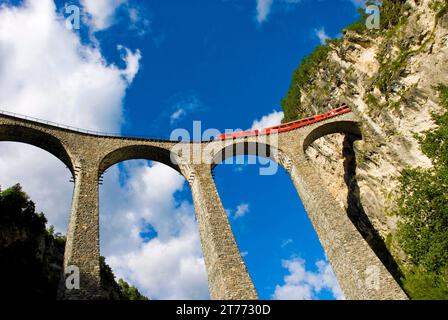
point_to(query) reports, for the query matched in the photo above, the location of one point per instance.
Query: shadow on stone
(358, 216)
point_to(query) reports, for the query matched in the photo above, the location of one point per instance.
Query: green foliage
(117, 291)
(372, 101)
(390, 71)
(440, 7)
(392, 19)
(335, 42)
(108, 283)
(391, 16)
(130, 292)
(302, 76)
(423, 206)
(50, 231)
(391, 13)
(443, 95)
(443, 11)
(29, 255)
(422, 285)
(435, 143)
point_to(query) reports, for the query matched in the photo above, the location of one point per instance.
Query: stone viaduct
(360, 273)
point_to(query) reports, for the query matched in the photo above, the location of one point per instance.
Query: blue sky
(154, 66)
(216, 52)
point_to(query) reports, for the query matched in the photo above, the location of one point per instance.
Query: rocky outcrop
(388, 78)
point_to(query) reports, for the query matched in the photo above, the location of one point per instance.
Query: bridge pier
(360, 273)
(82, 249)
(228, 277)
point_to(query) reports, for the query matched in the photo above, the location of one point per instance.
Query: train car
(344, 108)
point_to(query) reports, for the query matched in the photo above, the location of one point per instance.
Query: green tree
(423, 207)
(30, 259)
(302, 76)
(130, 292)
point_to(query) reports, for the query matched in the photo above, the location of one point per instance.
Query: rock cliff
(387, 76)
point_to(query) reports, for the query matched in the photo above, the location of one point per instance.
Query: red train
(344, 108)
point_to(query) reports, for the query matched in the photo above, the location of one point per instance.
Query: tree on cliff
(31, 257)
(423, 206)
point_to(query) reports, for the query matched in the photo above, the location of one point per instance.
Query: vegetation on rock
(303, 76)
(32, 257)
(440, 7)
(130, 292)
(423, 207)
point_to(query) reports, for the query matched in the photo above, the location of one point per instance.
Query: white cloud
(46, 72)
(287, 242)
(101, 12)
(270, 120)
(263, 9)
(184, 105)
(177, 115)
(241, 210)
(140, 23)
(301, 284)
(322, 35)
(132, 61)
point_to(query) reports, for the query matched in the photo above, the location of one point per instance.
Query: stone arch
(38, 138)
(135, 152)
(347, 127)
(283, 159)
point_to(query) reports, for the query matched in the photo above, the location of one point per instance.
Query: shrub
(302, 76)
(423, 206)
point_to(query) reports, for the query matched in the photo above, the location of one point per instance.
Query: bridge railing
(91, 132)
(81, 130)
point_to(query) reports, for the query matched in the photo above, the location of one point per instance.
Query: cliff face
(388, 78)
